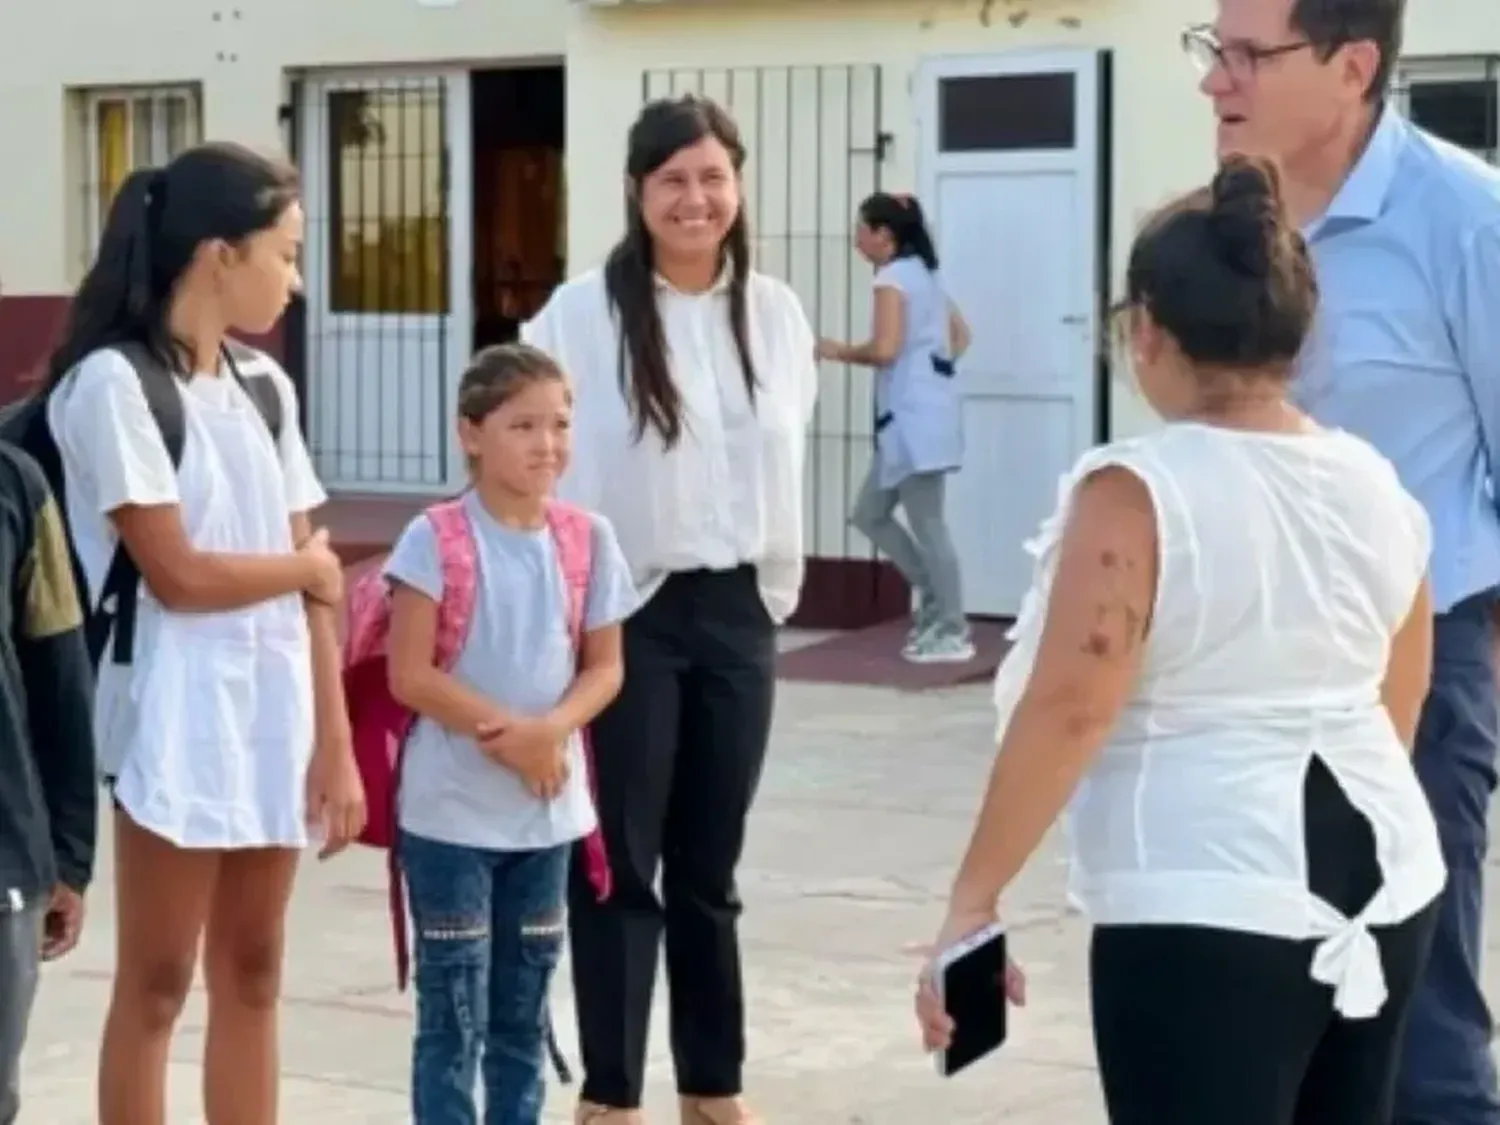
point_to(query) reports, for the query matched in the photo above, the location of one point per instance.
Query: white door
(387, 265)
(1009, 177)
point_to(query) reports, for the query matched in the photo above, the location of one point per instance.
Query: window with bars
(388, 197)
(1456, 99)
(122, 130)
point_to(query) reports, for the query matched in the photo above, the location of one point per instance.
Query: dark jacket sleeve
(59, 688)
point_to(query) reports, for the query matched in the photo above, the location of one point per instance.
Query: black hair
(1330, 24)
(157, 221)
(498, 373)
(663, 129)
(902, 216)
(1227, 274)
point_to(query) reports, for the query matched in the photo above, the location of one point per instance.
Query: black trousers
(1196, 1026)
(678, 756)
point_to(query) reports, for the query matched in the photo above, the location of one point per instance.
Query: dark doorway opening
(520, 197)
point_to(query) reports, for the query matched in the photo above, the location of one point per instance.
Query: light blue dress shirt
(1406, 348)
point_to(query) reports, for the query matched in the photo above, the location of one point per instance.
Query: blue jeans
(1447, 1073)
(489, 931)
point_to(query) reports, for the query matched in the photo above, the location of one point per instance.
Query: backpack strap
(163, 396)
(573, 532)
(250, 369)
(459, 556)
(119, 595)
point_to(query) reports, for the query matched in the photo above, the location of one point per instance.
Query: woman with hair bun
(1221, 663)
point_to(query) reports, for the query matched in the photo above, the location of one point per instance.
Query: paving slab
(867, 798)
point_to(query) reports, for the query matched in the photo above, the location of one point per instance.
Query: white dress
(210, 730)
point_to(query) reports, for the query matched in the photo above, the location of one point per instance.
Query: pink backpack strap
(458, 553)
(573, 532)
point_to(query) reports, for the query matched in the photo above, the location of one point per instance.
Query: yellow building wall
(238, 50)
(241, 54)
(609, 49)
(1161, 127)
(1161, 132)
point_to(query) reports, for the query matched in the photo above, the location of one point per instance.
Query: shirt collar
(720, 285)
(1364, 192)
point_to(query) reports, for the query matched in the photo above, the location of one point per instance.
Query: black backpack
(24, 424)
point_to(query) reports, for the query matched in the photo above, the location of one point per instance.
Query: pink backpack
(380, 724)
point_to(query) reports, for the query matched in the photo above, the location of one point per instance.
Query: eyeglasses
(1239, 59)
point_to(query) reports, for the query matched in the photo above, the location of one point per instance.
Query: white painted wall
(241, 50)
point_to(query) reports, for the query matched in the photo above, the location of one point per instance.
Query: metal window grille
(815, 146)
(122, 129)
(373, 331)
(1455, 98)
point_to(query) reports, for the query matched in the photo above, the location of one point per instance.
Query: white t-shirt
(519, 654)
(113, 455)
(731, 491)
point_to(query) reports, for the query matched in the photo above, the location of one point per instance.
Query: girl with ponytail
(917, 338)
(220, 717)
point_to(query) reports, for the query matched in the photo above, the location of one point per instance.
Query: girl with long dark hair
(695, 384)
(220, 716)
(916, 339)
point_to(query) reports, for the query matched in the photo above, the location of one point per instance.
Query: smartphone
(970, 982)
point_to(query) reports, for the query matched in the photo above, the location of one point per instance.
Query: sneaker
(940, 647)
(923, 619)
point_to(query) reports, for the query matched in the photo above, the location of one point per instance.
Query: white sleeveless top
(1287, 563)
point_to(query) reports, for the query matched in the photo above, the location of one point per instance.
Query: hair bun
(1246, 216)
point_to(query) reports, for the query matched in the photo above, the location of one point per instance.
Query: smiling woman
(695, 382)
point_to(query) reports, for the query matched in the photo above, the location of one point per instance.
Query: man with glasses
(1405, 235)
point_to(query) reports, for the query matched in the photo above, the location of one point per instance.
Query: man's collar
(1364, 192)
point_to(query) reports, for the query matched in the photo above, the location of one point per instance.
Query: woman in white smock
(1222, 662)
(916, 338)
(220, 718)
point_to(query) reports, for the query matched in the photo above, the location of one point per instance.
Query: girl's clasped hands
(535, 748)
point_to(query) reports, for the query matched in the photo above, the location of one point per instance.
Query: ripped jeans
(489, 932)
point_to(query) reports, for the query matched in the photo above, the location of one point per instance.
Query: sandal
(590, 1113)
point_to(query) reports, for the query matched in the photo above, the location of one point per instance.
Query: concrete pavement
(866, 802)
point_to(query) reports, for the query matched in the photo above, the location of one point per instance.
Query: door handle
(1075, 320)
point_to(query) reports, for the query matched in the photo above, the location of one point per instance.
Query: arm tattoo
(1118, 625)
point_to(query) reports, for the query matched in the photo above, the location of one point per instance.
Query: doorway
(519, 196)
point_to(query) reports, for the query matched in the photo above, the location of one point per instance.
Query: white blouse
(730, 491)
(1287, 563)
